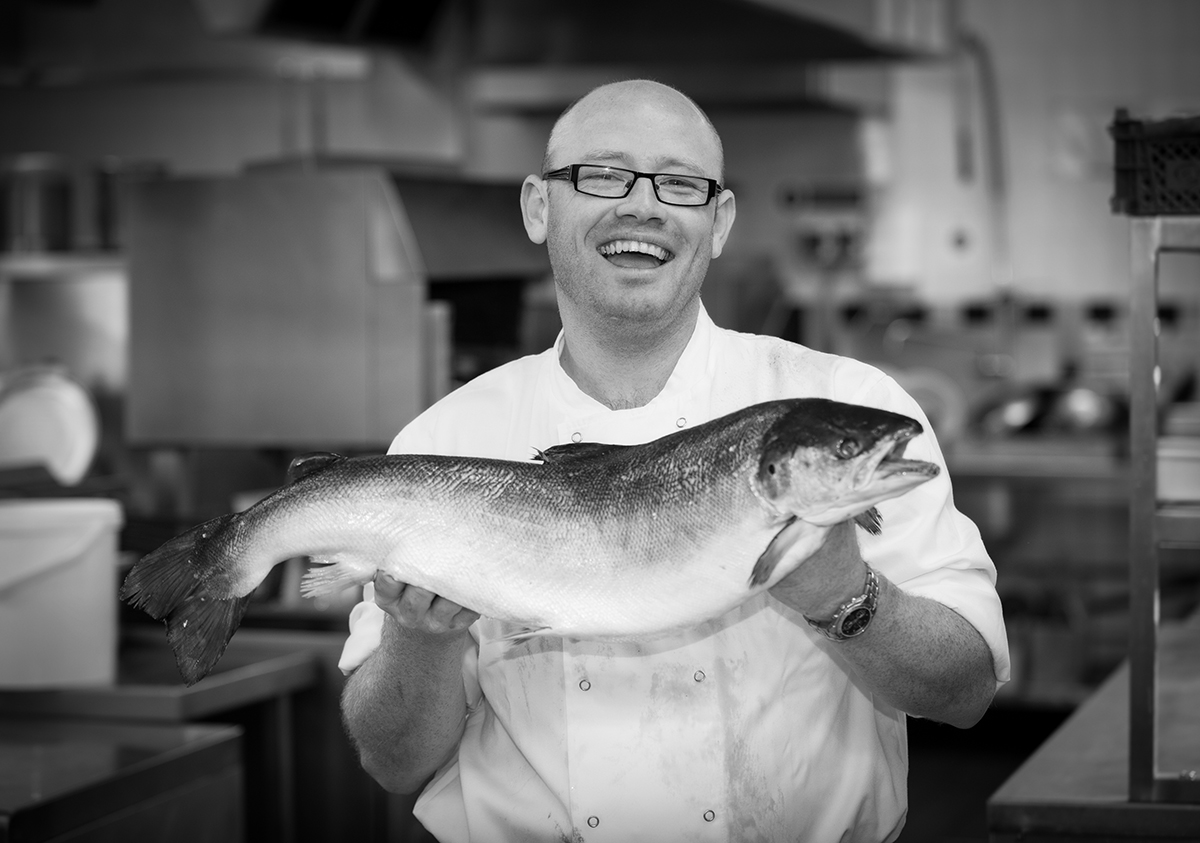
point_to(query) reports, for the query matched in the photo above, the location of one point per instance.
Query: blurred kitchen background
(232, 231)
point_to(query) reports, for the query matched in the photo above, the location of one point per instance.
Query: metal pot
(35, 204)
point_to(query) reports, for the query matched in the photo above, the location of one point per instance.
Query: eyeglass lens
(615, 182)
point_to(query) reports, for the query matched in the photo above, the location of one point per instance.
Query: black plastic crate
(1156, 166)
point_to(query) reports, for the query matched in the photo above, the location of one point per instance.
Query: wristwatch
(854, 616)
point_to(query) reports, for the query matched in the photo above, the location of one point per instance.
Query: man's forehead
(652, 130)
(672, 161)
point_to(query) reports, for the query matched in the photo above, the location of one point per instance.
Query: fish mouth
(891, 462)
(882, 473)
(634, 253)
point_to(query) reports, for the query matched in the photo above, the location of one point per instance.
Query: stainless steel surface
(35, 214)
(1151, 238)
(1076, 787)
(148, 686)
(255, 689)
(287, 307)
(271, 310)
(87, 780)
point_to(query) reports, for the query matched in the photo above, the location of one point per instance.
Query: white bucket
(58, 592)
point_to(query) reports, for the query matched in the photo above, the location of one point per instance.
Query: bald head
(625, 97)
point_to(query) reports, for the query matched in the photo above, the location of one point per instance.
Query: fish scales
(588, 541)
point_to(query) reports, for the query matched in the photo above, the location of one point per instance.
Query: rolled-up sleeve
(366, 627)
(951, 564)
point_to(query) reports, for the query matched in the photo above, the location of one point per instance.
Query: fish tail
(168, 584)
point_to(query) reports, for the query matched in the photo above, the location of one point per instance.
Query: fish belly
(582, 578)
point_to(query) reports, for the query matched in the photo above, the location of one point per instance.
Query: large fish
(586, 540)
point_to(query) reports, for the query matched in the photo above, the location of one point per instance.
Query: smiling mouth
(635, 253)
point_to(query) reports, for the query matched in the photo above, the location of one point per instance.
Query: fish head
(825, 461)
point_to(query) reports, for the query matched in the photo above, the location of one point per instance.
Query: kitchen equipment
(35, 214)
(46, 418)
(1156, 167)
(81, 780)
(942, 399)
(58, 592)
(1179, 468)
(288, 307)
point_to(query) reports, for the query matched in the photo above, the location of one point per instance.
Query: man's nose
(642, 201)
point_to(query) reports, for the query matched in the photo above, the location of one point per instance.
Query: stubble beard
(622, 309)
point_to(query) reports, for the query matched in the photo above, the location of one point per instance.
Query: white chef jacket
(747, 728)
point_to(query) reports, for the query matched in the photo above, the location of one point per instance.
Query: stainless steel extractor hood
(557, 32)
(288, 307)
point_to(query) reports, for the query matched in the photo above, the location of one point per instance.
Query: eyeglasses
(616, 183)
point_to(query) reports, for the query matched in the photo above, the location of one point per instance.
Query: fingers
(418, 608)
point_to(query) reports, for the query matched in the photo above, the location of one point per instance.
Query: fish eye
(849, 447)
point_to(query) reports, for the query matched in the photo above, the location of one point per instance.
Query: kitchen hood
(456, 227)
(288, 306)
(405, 24)
(555, 32)
(469, 229)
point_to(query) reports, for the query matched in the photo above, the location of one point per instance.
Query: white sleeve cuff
(366, 629)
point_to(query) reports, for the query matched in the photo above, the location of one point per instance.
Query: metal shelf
(1179, 525)
(55, 266)
(1153, 524)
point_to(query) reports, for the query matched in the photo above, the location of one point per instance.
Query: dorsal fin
(577, 450)
(307, 464)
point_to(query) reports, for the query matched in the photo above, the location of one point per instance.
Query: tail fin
(168, 584)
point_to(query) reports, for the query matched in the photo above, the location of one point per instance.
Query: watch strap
(854, 616)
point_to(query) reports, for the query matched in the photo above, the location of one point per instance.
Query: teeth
(618, 246)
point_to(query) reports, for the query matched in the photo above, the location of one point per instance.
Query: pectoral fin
(796, 541)
(871, 521)
(769, 560)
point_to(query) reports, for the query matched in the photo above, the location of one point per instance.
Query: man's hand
(405, 707)
(419, 609)
(826, 579)
(919, 655)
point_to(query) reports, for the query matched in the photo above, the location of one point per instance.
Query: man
(753, 727)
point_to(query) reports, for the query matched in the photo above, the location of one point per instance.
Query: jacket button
(584, 684)
(698, 676)
(593, 821)
(709, 816)
(681, 422)
(576, 437)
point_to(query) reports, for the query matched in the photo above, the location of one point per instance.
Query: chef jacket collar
(691, 369)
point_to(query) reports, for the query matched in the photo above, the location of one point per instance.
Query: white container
(1179, 468)
(58, 592)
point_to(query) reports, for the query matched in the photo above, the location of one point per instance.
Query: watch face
(855, 621)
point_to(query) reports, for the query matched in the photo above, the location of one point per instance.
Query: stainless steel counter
(90, 780)
(1076, 786)
(252, 687)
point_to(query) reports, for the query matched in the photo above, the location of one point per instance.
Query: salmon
(582, 540)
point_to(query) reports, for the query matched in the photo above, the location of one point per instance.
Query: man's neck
(623, 372)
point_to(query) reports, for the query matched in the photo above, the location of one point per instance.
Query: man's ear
(534, 202)
(723, 221)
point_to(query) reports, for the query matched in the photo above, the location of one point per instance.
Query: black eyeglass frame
(571, 173)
